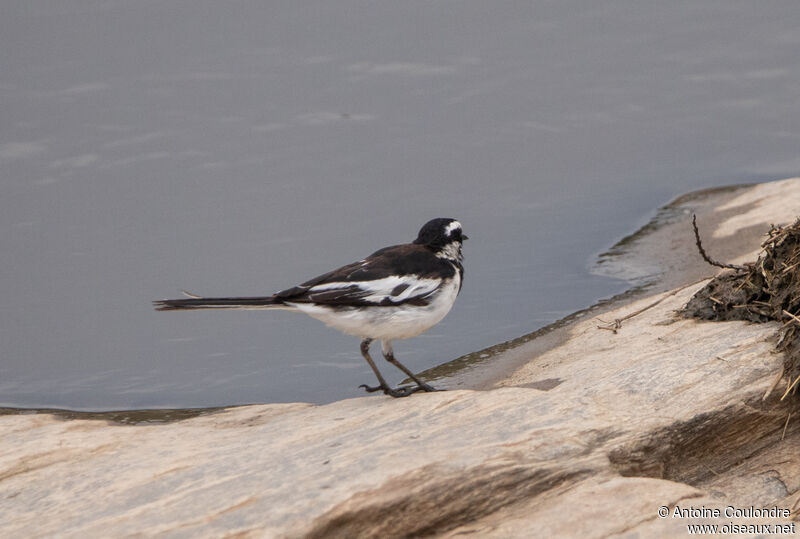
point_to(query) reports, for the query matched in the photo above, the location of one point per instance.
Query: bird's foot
(426, 387)
(373, 389)
(398, 392)
(402, 391)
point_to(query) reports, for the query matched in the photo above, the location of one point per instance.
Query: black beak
(464, 237)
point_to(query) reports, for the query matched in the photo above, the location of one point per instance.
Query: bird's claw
(402, 391)
(398, 392)
(428, 388)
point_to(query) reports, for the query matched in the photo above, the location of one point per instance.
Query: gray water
(237, 148)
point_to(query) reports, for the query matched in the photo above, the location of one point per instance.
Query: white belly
(386, 323)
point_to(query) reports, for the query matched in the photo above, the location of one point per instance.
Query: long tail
(194, 302)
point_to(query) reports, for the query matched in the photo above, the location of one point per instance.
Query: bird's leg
(383, 386)
(388, 355)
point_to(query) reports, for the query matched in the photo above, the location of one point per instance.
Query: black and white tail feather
(199, 302)
(395, 293)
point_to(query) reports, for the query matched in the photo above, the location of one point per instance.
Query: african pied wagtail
(395, 293)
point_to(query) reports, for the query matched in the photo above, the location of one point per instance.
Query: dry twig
(788, 417)
(703, 251)
(773, 385)
(617, 323)
(791, 386)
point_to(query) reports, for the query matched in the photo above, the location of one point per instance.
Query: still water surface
(236, 149)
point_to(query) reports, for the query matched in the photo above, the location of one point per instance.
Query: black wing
(402, 274)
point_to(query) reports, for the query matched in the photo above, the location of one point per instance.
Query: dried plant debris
(761, 291)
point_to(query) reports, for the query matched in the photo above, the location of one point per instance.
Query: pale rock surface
(586, 439)
(773, 202)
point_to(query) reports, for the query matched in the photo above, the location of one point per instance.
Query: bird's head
(444, 236)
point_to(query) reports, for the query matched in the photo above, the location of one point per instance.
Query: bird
(395, 293)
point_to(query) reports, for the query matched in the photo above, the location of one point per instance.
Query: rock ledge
(587, 438)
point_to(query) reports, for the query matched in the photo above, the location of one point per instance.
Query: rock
(587, 438)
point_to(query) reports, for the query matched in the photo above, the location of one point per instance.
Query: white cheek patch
(448, 230)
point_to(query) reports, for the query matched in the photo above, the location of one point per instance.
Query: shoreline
(605, 427)
(636, 258)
